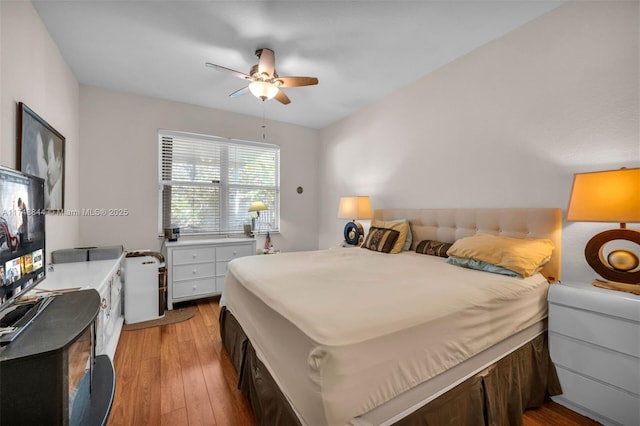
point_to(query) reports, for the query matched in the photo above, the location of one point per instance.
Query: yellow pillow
(401, 227)
(521, 255)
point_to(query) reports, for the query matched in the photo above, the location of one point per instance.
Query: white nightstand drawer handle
(195, 255)
(195, 271)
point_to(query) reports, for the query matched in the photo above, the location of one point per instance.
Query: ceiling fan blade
(239, 92)
(297, 81)
(282, 97)
(267, 63)
(228, 71)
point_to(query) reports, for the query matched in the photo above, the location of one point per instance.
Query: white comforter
(344, 330)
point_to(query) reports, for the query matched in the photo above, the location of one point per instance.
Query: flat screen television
(22, 234)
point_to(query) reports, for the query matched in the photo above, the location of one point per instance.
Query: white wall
(119, 166)
(34, 72)
(504, 126)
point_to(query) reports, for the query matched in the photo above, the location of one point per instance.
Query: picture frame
(40, 152)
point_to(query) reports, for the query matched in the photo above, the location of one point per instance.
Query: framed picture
(41, 153)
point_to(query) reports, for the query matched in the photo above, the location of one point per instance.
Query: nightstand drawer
(193, 271)
(193, 254)
(594, 397)
(618, 334)
(620, 370)
(194, 287)
(227, 253)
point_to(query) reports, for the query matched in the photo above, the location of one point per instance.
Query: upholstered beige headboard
(448, 225)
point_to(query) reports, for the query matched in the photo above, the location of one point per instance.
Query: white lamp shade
(358, 207)
(263, 90)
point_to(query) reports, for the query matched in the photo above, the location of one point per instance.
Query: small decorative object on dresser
(594, 341)
(256, 207)
(197, 268)
(609, 196)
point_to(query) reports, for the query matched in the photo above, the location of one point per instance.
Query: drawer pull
(195, 271)
(103, 303)
(235, 252)
(195, 255)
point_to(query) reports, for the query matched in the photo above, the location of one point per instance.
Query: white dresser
(594, 341)
(196, 268)
(104, 276)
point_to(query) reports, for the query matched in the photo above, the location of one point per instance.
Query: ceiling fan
(265, 81)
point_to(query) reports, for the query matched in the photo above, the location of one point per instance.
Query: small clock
(352, 232)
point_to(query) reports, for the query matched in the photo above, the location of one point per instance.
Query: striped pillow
(380, 239)
(400, 225)
(434, 248)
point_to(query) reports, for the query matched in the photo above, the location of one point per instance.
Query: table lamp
(354, 208)
(257, 207)
(609, 196)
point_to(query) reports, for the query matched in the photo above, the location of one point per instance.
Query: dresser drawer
(197, 268)
(192, 288)
(615, 368)
(605, 402)
(227, 253)
(193, 255)
(607, 331)
(193, 271)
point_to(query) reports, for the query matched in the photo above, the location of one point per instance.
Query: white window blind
(207, 183)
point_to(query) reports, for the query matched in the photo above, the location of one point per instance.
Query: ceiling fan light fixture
(263, 90)
(264, 81)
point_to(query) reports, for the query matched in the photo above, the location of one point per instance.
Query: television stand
(50, 374)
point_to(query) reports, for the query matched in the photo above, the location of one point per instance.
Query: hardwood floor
(179, 374)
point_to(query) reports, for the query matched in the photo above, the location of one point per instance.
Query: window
(207, 183)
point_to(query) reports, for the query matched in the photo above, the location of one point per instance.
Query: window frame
(224, 186)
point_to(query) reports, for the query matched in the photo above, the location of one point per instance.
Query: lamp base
(622, 267)
(352, 232)
(612, 285)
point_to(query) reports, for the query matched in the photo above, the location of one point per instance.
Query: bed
(355, 336)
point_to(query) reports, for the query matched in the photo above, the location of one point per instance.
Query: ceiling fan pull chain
(264, 125)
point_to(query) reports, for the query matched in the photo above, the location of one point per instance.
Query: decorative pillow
(480, 266)
(521, 255)
(381, 239)
(434, 248)
(402, 226)
(409, 239)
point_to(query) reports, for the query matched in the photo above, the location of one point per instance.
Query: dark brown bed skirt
(496, 396)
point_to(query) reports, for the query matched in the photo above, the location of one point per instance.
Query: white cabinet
(594, 341)
(105, 277)
(196, 268)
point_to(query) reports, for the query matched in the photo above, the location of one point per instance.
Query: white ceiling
(359, 50)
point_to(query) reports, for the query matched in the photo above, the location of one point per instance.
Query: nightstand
(594, 341)
(344, 244)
